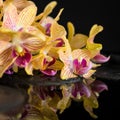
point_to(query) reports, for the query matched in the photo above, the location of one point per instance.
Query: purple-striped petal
(22, 61)
(47, 26)
(100, 58)
(99, 86)
(76, 65)
(82, 89)
(60, 42)
(81, 68)
(83, 63)
(85, 69)
(49, 72)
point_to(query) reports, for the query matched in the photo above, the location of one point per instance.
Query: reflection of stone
(4, 117)
(11, 99)
(108, 72)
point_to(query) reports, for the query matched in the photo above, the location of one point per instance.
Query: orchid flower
(18, 44)
(80, 41)
(49, 52)
(76, 62)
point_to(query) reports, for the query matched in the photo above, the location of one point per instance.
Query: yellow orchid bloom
(49, 52)
(76, 62)
(80, 41)
(18, 36)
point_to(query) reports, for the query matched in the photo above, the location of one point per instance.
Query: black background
(83, 14)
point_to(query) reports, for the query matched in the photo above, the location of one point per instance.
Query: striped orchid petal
(67, 73)
(26, 16)
(10, 17)
(21, 4)
(5, 55)
(33, 43)
(6, 65)
(81, 53)
(4, 45)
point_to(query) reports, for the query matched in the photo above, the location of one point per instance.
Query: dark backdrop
(83, 14)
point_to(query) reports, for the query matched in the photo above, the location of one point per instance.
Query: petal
(29, 69)
(76, 65)
(49, 72)
(83, 63)
(89, 74)
(85, 69)
(99, 86)
(33, 31)
(100, 58)
(33, 43)
(71, 30)
(22, 61)
(58, 65)
(21, 4)
(58, 15)
(26, 16)
(5, 55)
(81, 54)
(89, 103)
(66, 73)
(65, 55)
(49, 8)
(60, 42)
(38, 61)
(94, 48)
(94, 31)
(57, 31)
(78, 41)
(47, 26)
(10, 17)
(66, 99)
(84, 90)
(4, 45)
(5, 66)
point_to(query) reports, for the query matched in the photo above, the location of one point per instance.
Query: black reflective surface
(11, 99)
